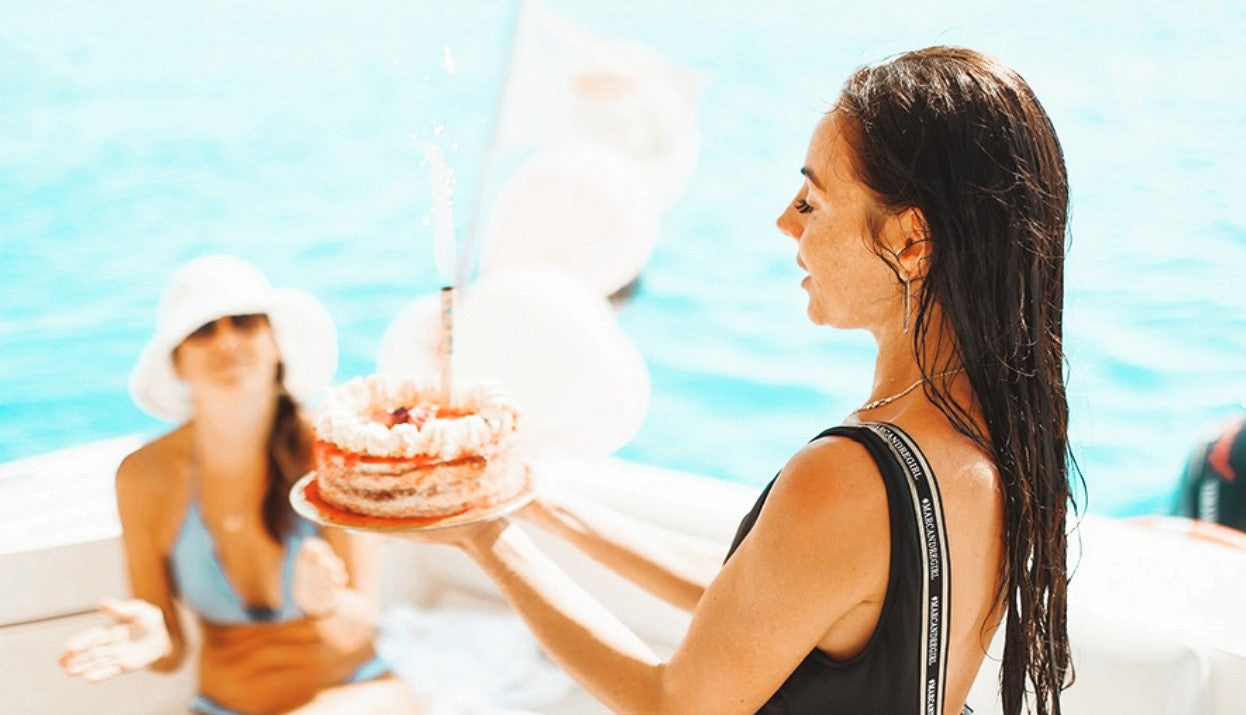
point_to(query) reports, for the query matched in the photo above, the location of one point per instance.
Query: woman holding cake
(287, 612)
(932, 212)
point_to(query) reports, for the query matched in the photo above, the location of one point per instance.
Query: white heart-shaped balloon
(581, 210)
(580, 382)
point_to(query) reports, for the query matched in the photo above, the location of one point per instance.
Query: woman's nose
(788, 223)
(226, 334)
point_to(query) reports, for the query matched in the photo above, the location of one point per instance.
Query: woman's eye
(203, 332)
(802, 206)
(248, 322)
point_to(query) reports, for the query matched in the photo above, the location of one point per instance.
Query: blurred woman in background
(287, 612)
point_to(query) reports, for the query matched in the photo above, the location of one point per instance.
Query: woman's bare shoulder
(148, 471)
(968, 479)
(151, 483)
(824, 524)
(951, 453)
(834, 461)
(833, 481)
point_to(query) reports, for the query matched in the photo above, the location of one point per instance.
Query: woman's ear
(908, 241)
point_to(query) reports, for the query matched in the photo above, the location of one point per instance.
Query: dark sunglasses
(242, 323)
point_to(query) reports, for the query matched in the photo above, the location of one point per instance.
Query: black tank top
(902, 668)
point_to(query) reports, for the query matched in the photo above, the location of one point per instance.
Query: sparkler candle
(444, 251)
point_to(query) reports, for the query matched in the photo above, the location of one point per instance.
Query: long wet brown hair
(289, 458)
(963, 138)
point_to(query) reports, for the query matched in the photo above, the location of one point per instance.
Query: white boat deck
(1155, 618)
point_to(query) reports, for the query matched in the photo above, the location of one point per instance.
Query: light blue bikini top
(204, 586)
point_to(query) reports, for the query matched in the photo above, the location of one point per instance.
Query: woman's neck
(896, 367)
(231, 437)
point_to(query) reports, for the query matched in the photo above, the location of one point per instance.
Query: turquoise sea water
(137, 135)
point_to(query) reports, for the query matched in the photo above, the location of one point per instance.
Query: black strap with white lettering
(928, 511)
(903, 667)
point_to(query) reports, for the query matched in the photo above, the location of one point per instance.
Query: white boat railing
(1155, 619)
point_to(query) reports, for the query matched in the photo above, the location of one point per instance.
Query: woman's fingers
(538, 511)
(136, 639)
(97, 637)
(318, 561)
(102, 672)
(315, 547)
(455, 535)
(317, 552)
(319, 577)
(124, 613)
(97, 663)
(87, 639)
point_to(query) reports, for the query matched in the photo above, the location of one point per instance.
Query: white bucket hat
(213, 287)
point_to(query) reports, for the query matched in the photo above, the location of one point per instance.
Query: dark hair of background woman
(963, 138)
(289, 458)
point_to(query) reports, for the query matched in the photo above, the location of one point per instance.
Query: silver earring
(907, 305)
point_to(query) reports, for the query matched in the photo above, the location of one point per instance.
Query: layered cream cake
(384, 446)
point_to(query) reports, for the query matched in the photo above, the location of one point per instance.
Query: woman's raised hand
(137, 638)
(538, 511)
(319, 578)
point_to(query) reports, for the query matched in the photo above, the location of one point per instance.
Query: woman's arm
(672, 567)
(147, 632)
(140, 499)
(336, 583)
(819, 548)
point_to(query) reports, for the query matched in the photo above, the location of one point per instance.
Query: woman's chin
(238, 382)
(817, 315)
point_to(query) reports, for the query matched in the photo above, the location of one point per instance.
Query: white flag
(568, 84)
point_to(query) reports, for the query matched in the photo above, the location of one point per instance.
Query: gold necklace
(892, 398)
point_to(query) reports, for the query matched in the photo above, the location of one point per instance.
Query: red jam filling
(417, 416)
(311, 492)
(326, 451)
